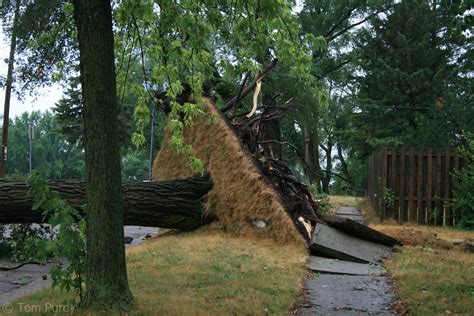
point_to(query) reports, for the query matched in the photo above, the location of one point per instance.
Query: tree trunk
(271, 131)
(107, 281)
(174, 204)
(345, 169)
(326, 180)
(308, 155)
(311, 156)
(8, 92)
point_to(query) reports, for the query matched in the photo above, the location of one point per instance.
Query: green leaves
(69, 242)
(464, 186)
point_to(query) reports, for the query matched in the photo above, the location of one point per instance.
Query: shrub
(464, 187)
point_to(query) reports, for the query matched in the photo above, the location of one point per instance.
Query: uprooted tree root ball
(246, 188)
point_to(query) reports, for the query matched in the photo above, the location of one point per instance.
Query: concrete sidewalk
(33, 277)
(355, 287)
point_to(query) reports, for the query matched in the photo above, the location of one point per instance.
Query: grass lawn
(205, 273)
(432, 274)
(434, 281)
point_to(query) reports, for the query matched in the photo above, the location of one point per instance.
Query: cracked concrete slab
(357, 218)
(332, 243)
(359, 230)
(336, 266)
(343, 287)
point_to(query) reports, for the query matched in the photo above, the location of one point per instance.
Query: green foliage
(388, 197)
(46, 44)
(56, 157)
(324, 205)
(464, 187)
(134, 166)
(196, 48)
(69, 242)
(53, 155)
(69, 112)
(14, 239)
(414, 81)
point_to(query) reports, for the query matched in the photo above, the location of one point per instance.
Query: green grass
(206, 273)
(337, 201)
(432, 274)
(434, 281)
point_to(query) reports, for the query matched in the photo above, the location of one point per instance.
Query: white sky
(45, 98)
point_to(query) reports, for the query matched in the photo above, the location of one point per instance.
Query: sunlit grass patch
(342, 200)
(207, 273)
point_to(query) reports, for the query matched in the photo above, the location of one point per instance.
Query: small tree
(464, 187)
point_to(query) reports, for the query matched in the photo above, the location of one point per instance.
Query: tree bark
(345, 169)
(311, 156)
(326, 179)
(107, 281)
(174, 204)
(271, 131)
(8, 92)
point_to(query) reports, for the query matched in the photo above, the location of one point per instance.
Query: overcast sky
(45, 99)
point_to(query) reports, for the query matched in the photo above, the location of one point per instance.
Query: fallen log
(174, 204)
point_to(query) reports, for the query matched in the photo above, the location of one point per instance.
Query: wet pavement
(336, 266)
(332, 294)
(34, 277)
(342, 287)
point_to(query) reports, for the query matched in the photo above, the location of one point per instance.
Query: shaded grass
(434, 282)
(207, 273)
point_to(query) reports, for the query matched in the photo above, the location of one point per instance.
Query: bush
(464, 187)
(324, 206)
(14, 237)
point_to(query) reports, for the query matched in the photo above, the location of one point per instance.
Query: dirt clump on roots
(241, 195)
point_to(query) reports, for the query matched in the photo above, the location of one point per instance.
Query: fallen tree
(174, 204)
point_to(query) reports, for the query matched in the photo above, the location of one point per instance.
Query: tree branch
(235, 100)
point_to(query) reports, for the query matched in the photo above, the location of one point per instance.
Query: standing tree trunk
(308, 155)
(345, 169)
(326, 179)
(107, 282)
(8, 93)
(312, 169)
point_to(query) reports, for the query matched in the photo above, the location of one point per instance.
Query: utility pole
(8, 92)
(152, 142)
(31, 136)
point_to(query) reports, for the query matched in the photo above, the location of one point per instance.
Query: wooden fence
(413, 185)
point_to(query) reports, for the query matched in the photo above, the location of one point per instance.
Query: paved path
(351, 213)
(347, 288)
(32, 278)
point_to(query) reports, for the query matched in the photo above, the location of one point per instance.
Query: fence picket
(422, 187)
